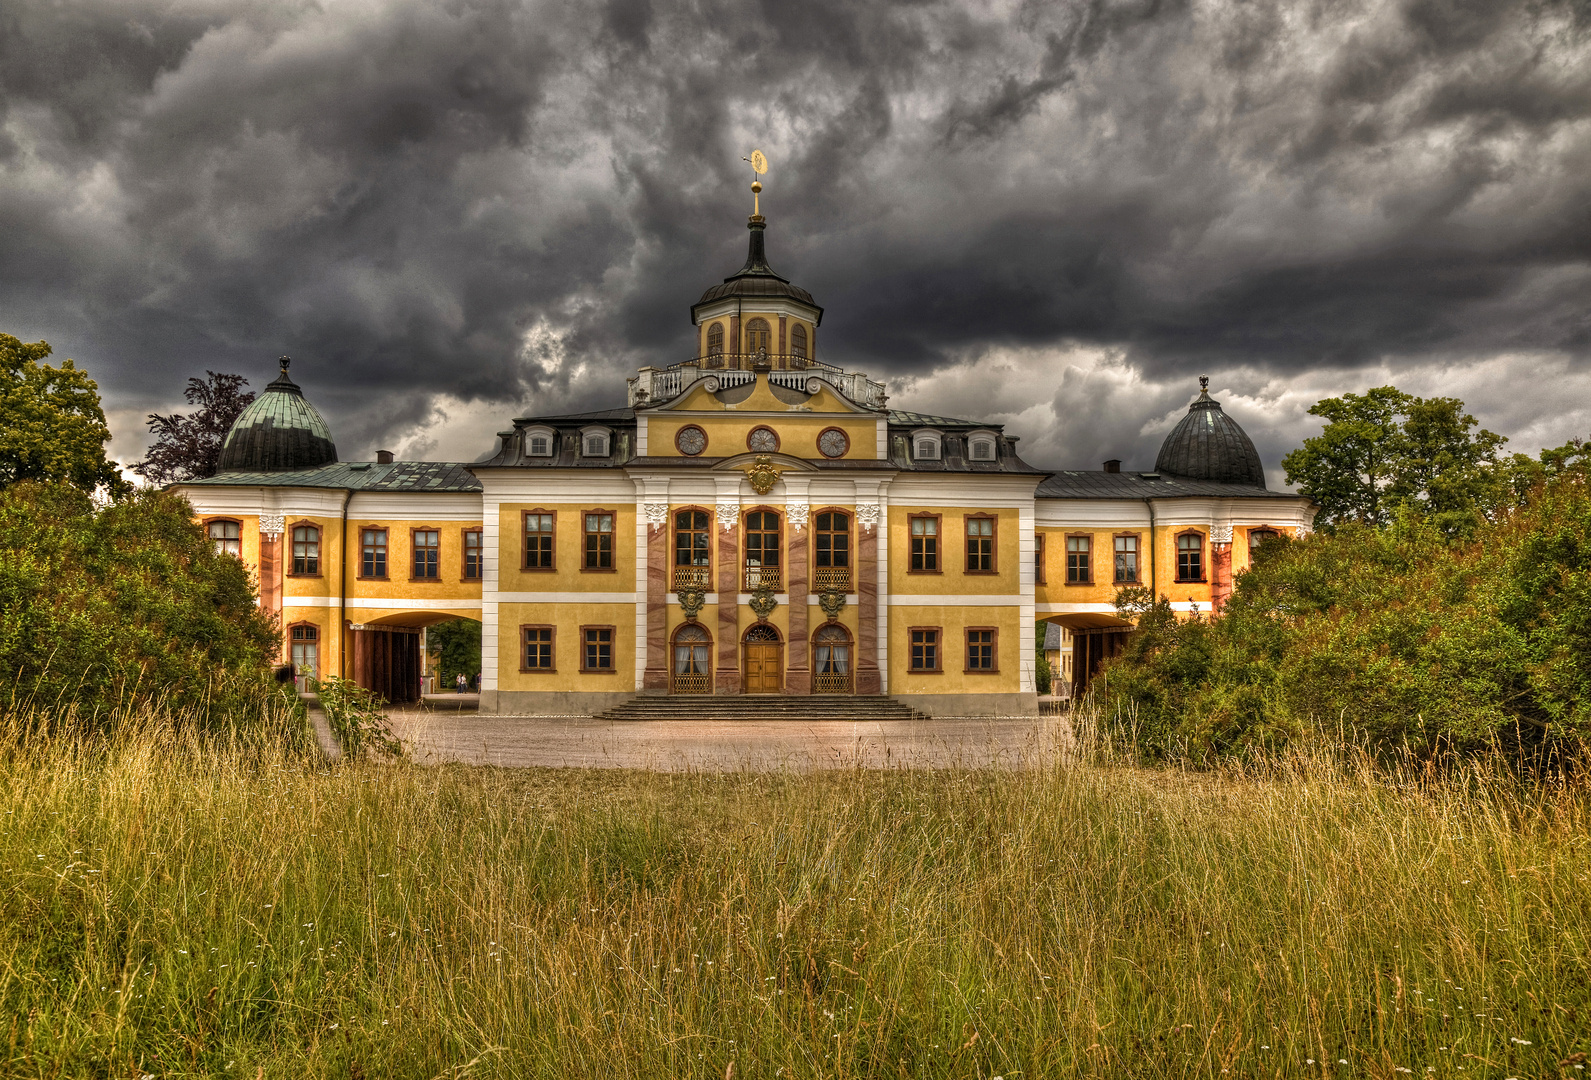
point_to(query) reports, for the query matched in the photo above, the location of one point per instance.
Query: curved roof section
(278, 432)
(1209, 445)
(756, 279)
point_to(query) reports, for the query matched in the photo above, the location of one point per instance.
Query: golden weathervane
(759, 166)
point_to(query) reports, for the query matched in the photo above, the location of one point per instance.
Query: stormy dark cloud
(1051, 214)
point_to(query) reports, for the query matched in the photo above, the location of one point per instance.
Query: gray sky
(1053, 215)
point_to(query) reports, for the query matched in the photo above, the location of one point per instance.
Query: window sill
(926, 671)
(1191, 581)
(598, 671)
(307, 577)
(538, 569)
(925, 571)
(362, 577)
(981, 573)
(1080, 584)
(980, 671)
(538, 671)
(599, 570)
(425, 580)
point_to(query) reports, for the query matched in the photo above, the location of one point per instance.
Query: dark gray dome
(1207, 444)
(756, 278)
(278, 432)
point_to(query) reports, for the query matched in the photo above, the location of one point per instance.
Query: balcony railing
(651, 386)
(832, 683)
(763, 577)
(692, 684)
(831, 579)
(693, 577)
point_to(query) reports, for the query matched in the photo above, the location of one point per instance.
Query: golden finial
(759, 166)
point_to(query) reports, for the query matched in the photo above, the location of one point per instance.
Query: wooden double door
(764, 665)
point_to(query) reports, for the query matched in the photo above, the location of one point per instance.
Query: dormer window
(594, 443)
(539, 442)
(925, 445)
(981, 448)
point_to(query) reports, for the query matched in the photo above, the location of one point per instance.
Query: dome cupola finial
(279, 431)
(1207, 444)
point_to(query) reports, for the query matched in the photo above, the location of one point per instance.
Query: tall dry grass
(180, 908)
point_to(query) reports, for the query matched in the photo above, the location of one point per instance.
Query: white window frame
(589, 433)
(928, 435)
(541, 433)
(983, 438)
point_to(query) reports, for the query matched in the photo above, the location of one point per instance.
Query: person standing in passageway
(459, 682)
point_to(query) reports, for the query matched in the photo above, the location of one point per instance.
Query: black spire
(756, 253)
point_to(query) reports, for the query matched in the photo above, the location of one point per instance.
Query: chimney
(384, 457)
(1113, 465)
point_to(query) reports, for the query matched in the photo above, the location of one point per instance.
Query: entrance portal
(764, 660)
(386, 661)
(692, 672)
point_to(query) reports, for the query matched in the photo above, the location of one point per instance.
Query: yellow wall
(1055, 590)
(953, 578)
(567, 647)
(569, 548)
(1012, 647)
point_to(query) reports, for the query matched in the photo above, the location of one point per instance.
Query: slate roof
(917, 420)
(431, 476)
(1207, 444)
(1079, 484)
(756, 278)
(279, 430)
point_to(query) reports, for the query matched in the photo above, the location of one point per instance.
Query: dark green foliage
(52, 427)
(1391, 636)
(1386, 452)
(188, 447)
(458, 641)
(357, 719)
(102, 608)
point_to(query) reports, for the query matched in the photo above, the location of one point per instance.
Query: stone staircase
(761, 707)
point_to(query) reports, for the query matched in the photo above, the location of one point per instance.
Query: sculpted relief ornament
(271, 525)
(1220, 534)
(867, 515)
(657, 514)
(728, 515)
(797, 514)
(762, 475)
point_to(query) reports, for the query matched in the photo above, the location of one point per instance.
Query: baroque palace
(753, 520)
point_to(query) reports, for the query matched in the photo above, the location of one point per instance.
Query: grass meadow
(176, 909)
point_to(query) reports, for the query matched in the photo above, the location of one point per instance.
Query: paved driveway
(673, 745)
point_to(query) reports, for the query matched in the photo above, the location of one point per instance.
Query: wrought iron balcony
(693, 577)
(763, 577)
(831, 579)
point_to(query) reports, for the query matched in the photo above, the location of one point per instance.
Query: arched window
(798, 341)
(693, 647)
(1190, 557)
(305, 654)
(715, 339)
(762, 550)
(831, 553)
(758, 335)
(1258, 537)
(831, 660)
(306, 550)
(693, 552)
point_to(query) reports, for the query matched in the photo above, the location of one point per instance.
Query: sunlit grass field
(170, 910)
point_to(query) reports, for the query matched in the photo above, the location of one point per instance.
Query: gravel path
(673, 746)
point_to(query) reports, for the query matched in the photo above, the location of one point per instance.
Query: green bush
(357, 719)
(1392, 636)
(101, 608)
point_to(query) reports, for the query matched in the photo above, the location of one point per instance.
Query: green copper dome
(278, 432)
(1207, 444)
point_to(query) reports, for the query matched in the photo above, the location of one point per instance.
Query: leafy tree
(188, 447)
(1395, 636)
(1385, 451)
(52, 427)
(458, 641)
(103, 608)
